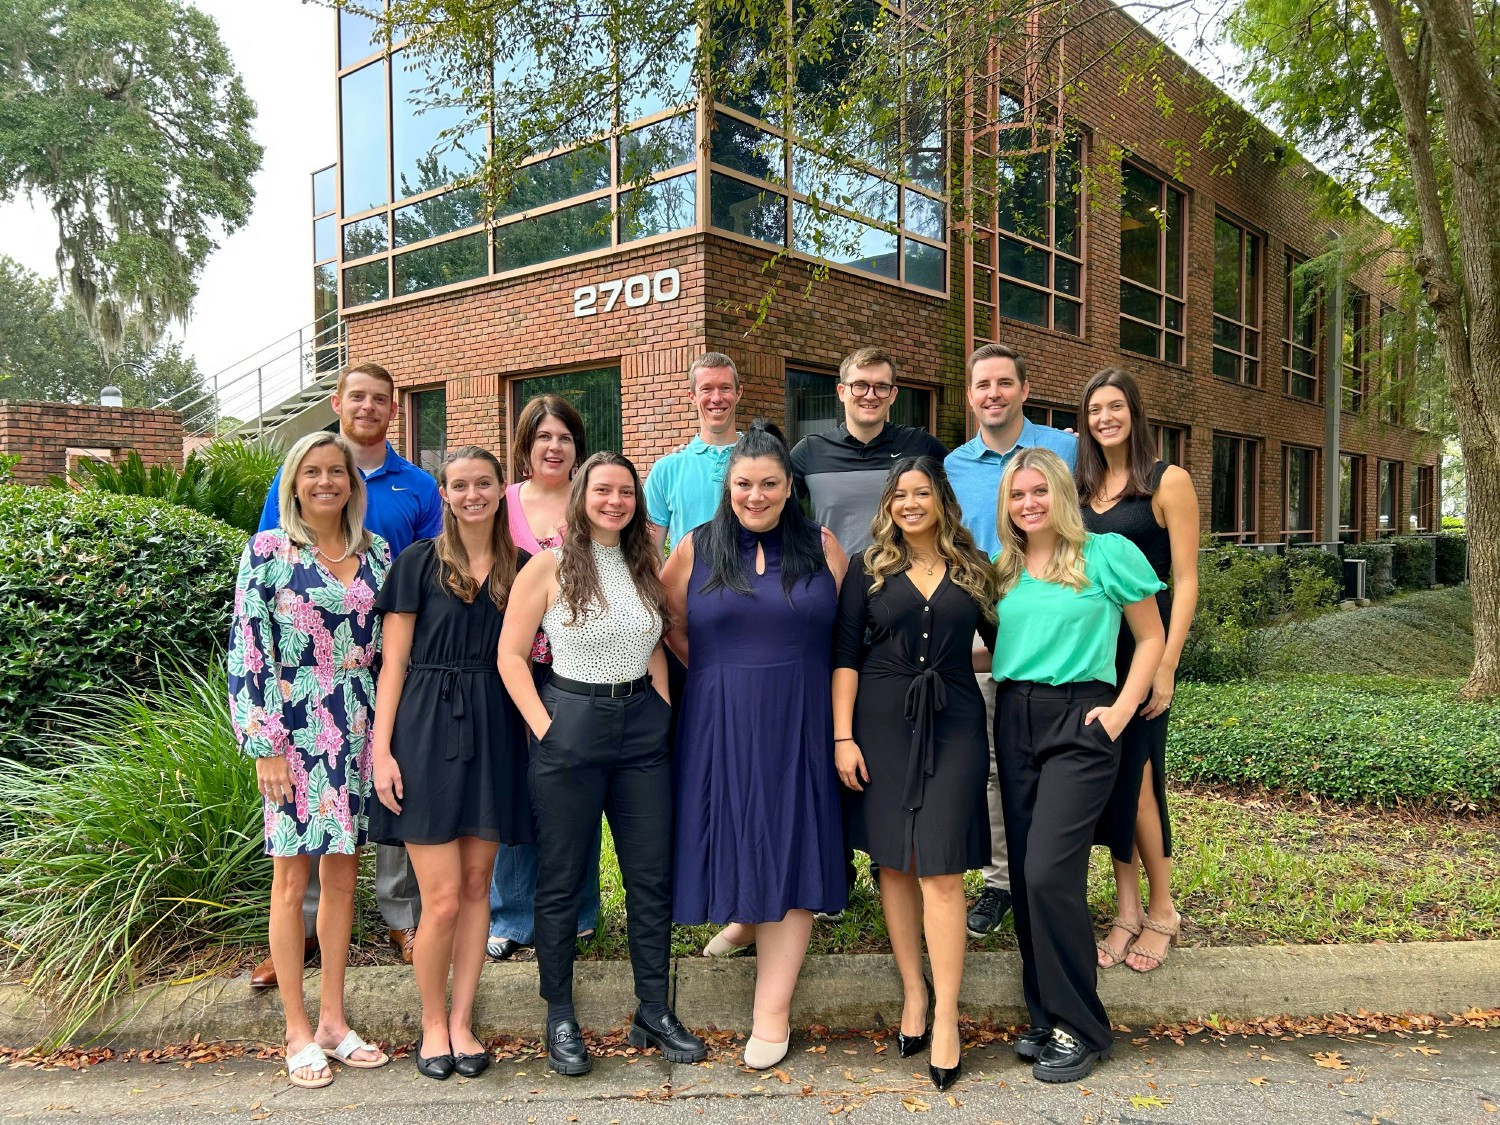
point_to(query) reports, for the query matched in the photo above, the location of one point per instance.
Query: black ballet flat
(945, 1076)
(438, 1066)
(471, 1066)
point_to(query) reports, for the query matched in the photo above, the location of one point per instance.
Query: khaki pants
(997, 874)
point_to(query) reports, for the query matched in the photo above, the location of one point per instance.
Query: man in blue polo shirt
(683, 487)
(997, 388)
(402, 506)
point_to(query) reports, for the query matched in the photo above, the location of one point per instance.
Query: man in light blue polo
(683, 487)
(997, 388)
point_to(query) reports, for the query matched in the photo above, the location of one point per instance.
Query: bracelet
(843, 740)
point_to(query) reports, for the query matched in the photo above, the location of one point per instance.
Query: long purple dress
(757, 801)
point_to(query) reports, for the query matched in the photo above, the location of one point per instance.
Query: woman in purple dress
(759, 840)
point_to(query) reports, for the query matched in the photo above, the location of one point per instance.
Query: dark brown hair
(453, 559)
(994, 351)
(1140, 457)
(545, 406)
(578, 577)
(866, 357)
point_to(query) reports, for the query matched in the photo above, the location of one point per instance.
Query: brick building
(51, 437)
(1107, 243)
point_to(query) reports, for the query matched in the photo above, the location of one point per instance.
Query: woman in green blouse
(1057, 731)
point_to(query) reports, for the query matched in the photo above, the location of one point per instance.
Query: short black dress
(457, 738)
(919, 720)
(1143, 740)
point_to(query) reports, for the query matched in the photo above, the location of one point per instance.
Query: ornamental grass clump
(136, 856)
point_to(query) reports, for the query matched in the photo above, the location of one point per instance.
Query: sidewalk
(835, 991)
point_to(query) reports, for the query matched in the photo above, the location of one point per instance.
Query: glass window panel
(837, 185)
(362, 138)
(1228, 241)
(1066, 315)
(739, 63)
(558, 234)
(430, 433)
(1172, 345)
(1067, 277)
(444, 263)
(422, 157)
(1021, 303)
(325, 244)
(912, 406)
(594, 393)
(1140, 227)
(926, 266)
(1223, 488)
(1174, 242)
(655, 148)
(440, 214)
(1064, 420)
(1023, 262)
(844, 241)
(812, 403)
(325, 295)
(359, 35)
(1138, 338)
(1174, 315)
(924, 215)
(1139, 303)
(820, 100)
(1252, 280)
(323, 181)
(366, 283)
(1247, 487)
(1303, 387)
(747, 149)
(557, 178)
(1065, 203)
(1226, 365)
(747, 210)
(1226, 334)
(1022, 195)
(664, 77)
(1040, 415)
(659, 208)
(365, 237)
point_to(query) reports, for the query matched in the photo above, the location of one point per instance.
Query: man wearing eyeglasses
(842, 471)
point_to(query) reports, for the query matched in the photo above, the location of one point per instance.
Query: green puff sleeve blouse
(1052, 634)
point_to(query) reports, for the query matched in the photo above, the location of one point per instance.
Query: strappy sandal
(312, 1058)
(1117, 956)
(1173, 932)
(352, 1043)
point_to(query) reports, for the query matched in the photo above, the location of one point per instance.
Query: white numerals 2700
(637, 289)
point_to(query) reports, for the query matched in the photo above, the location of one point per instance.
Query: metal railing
(241, 396)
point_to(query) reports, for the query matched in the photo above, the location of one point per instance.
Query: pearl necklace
(348, 546)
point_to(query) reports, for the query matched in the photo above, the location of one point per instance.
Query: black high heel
(909, 1045)
(945, 1076)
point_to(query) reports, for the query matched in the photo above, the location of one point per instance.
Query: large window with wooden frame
(1299, 494)
(1170, 443)
(595, 392)
(1302, 331)
(427, 427)
(1237, 255)
(1236, 484)
(1394, 366)
(1152, 306)
(1351, 498)
(1058, 417)
(1388, 507)
(1356, 336)
(812, 404)
(1423, 516)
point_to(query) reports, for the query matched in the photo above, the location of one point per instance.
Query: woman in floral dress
(302, 651)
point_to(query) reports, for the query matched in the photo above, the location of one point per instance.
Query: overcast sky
(258, 286)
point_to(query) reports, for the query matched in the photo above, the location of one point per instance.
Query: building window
(812, 404)
(1151, 265)
(427, 423)
(1300, 473)
(1424, 498)
(1394, 367)
(1388, 479)
(1170, 443)
(1356, 316)
(1058, 417)
(1302, 331)
(1236, 302)
(360, 35)
(594, 392)
(1235, 487)
(327, 355)
(1351, 498)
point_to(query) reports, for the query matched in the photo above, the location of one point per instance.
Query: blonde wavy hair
(1066, 564)
(888, 553)
(355, 532)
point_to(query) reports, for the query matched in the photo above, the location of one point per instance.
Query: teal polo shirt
(684, 487)
(974, 470)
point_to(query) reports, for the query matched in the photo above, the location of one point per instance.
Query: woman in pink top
(549, 444)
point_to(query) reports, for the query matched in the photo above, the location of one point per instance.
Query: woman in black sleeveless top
(1125, 489)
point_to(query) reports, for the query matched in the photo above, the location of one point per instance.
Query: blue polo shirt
(684, 487)
(403, 503)
(974, 470)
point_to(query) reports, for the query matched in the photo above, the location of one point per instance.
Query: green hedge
(1379, 582)
(97, 588)
(1375, 740)
(1452, 559)
(1411, 562)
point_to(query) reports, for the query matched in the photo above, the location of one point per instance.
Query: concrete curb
(836, 991)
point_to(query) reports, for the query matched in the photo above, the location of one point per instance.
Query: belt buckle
(621, 691)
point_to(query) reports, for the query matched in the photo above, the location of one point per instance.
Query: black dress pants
(1055, 777)
(609, 756)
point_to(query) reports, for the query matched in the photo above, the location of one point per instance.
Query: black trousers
(1055, 777)
(609, 756)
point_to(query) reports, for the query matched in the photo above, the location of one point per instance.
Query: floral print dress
(302, 654)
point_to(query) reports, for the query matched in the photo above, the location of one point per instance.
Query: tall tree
(126, 119)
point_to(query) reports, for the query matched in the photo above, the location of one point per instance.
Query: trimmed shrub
(227, 480)
(96, 587)
(1411, 562)
(1375, 740)
(1378, 581)
(1315, 580)
(1452, 559)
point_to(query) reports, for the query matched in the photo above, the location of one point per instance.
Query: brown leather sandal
(1173, 932)
(1117, 956)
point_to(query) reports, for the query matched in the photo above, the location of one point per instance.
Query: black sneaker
(990, 909)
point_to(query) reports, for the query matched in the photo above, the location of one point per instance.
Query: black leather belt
(622, 690)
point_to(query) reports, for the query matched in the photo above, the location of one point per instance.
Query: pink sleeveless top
(521, 534)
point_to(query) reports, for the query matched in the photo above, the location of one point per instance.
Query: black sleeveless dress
(1143, 740)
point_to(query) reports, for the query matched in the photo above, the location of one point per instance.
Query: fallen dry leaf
(1423, 1049)
(1147, 1101)
(1330, 1059)
(913, 1104)
(1258, 1080)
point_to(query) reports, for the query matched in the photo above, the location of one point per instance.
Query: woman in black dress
(450, 770)
(909, 735)
(1124, 489)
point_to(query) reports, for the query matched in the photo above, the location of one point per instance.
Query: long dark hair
(578, 577)
(453, 560)
(1140, 457)
(718, 541)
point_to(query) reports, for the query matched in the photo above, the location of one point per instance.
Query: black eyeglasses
(860, 389)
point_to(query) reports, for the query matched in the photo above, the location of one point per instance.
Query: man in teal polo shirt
(997, 389)
(683, 487)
